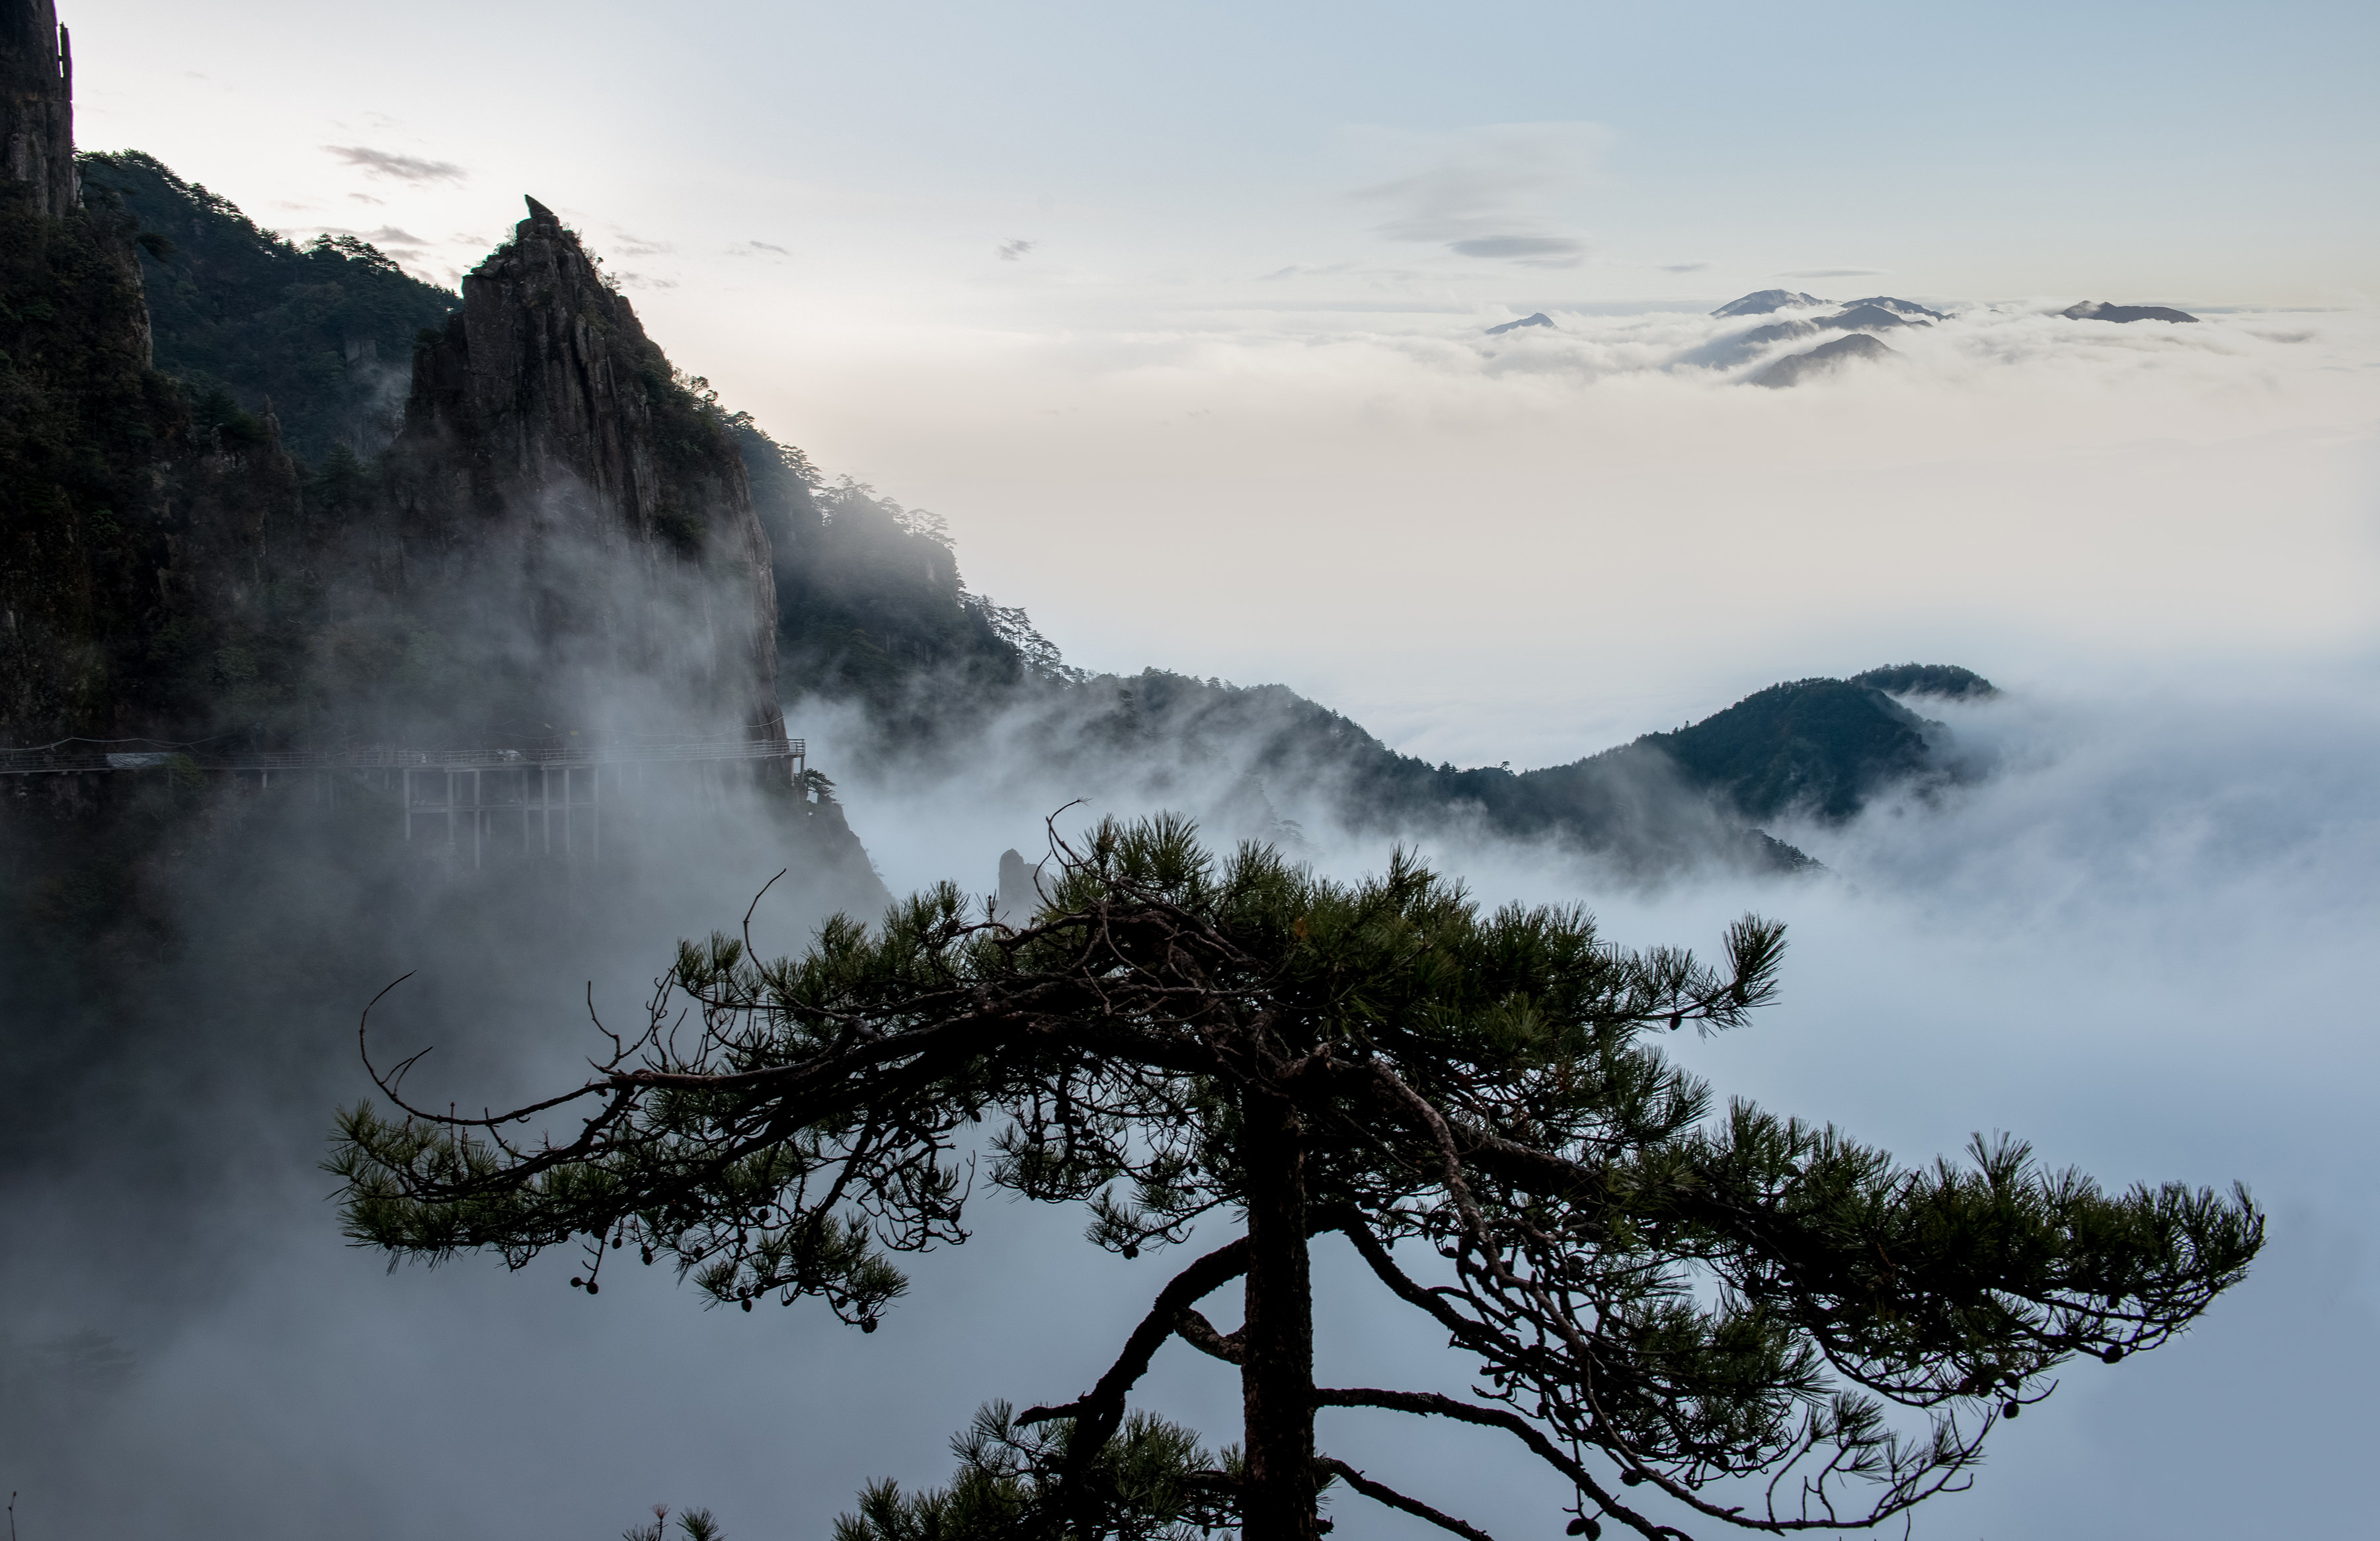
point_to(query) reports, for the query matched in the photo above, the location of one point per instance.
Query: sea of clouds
(2139, 944)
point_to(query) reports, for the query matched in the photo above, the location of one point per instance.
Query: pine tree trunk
(1277, 1370)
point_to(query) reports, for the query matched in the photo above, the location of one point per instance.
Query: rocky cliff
(134, 591)
(37, 105)
(592, 513)
(562, 540)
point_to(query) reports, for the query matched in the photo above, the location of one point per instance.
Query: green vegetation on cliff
(323, 333)
(870, 604)
(1814, 745)
(83, 421)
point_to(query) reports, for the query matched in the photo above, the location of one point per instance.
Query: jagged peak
(543, 239)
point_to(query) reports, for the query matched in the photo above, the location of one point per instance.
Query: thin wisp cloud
(400, 167)
(1495, 193)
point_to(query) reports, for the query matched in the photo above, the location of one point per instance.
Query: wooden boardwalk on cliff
(543, 796)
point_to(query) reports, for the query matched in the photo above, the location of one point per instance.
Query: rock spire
(36, 103)
(554, 470)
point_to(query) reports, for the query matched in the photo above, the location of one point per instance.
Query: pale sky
(1176, 315)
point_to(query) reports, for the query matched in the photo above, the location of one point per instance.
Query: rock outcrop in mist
(131, 544)
(594, 510)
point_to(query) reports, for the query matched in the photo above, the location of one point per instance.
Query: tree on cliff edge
(1740, 1320)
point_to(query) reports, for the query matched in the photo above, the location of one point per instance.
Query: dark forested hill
(1815, 751)
(323, 333)
(1812, 745)
(1815, 748)
(871, 607)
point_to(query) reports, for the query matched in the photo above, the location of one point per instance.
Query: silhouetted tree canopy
(1727, 1318)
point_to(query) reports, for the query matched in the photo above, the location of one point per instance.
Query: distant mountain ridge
(2100, 310)
(1795, 369)
(1899, 307)
(1867, 316)
(1876, 313)
(1818, 751)
(1766, 302)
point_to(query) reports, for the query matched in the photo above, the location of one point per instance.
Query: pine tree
(1729, 1318)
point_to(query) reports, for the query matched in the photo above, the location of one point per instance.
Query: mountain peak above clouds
(1864, 316)
(1898, 307)
(1766, 302)
(1795, 367)
(1539, 318)
(1945, 680)
(1775, 331)
(2100, 310)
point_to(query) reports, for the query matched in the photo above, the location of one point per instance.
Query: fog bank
(2136, 945)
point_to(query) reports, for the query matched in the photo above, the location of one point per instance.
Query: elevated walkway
(539, 797)
(69, 755)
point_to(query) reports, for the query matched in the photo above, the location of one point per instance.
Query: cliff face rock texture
(37, 105)
(591, 511)
(562, 540)
(132, 591)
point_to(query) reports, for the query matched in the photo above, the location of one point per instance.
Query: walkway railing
(140, 754)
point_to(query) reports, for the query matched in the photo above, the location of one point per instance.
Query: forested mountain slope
(870, 605)
(1813, 750)
(322, 334)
